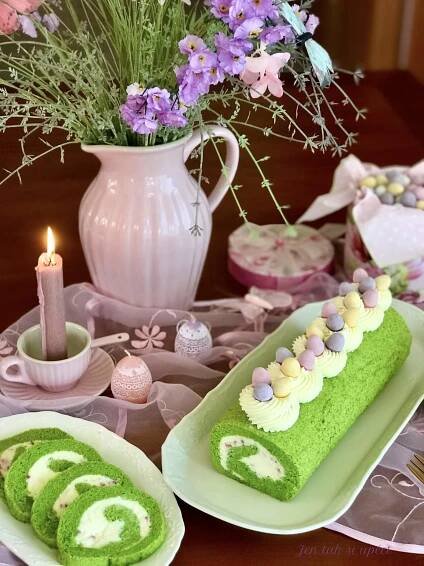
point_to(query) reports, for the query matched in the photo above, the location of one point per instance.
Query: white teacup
(56, 376)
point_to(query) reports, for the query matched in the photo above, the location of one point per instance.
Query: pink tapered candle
(52, 302)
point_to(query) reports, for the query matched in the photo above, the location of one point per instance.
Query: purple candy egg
(345, 288)
(315, 344)
(387, 198)
(328, 309)
(307, 359)
(408, 199)
(260, 375)
(335, 322)
(281, 354)
(263, 392)
(366, 284)
(370, 298)
(335, 342)
(359, 274)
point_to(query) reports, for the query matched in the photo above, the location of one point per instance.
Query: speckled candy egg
(260, 375)
(193, 339)
(335, 322)
(359, 274)
(307, 360)
(366, 284)
(263, 392)
(316, 344)
(281, 354)
(328, 309)
(335, 342)
(387, 198)
(370, 298)
(352, 300)
(131, 380)
(408, 199)
(290, 367)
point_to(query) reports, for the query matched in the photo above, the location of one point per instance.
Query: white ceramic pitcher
(135, 221)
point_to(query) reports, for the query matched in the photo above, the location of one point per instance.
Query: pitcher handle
(231, 159)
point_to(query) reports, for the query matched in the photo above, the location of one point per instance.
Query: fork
(416, 466)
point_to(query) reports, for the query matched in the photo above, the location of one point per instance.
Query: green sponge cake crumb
(110, 526)
(11, 448)
(63, 490)
(30, 473)
(280, 463)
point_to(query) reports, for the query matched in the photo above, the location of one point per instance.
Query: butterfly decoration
(10, 10)
(320, 59)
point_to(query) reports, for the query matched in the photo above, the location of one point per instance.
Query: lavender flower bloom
(265, 9)
(51, 22)
(203, 61)
(173, 118)
(27, 26)
(192, 86)
(191, 44)
(278, 33)
(249, 29)
(216, 75)
(240, 11)
(136, 114)
(158, 99)
(220, 9)
(232, 53)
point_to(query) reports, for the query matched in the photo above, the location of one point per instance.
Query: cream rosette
(370, 319)
(329, 364)
(384, 300)
(306, 386)
(276, 415)
(353, 338)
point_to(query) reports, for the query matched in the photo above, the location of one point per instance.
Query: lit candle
(52, 302)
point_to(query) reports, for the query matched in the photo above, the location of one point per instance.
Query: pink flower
(5, 349)
(10, 10)
(151, 338)
(261, 72)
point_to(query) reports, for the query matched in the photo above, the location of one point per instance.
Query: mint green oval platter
(335, 484)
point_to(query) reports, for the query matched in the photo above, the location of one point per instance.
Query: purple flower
(28, 26)
(265, 9)
(138, 116)
(249, 29)
(278, 33)
(216, 75)
(173, 118)
(191, 44)
(158, 99)
(220, 9)
(51, 22)
(192, 86)
(240, 11)
(232, 53)
(202, 61)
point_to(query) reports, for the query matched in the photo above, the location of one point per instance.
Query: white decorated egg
(131, 380)
(193, 339)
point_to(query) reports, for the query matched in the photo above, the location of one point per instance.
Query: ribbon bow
(318, 56)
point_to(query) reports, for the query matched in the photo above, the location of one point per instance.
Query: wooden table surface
(50, 195)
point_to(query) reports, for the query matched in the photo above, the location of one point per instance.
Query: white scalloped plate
(20, 538)
(334, 486)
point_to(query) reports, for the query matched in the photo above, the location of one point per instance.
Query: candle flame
(51, 246)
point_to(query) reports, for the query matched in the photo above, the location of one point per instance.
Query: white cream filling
(70, 493)
(96, 531)
(7, 457)
(40, 473)
(263, 464)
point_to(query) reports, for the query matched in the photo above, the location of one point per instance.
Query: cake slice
(29, 474)
(295, 413)
(12, 447)
(110, 526)
(63, 490)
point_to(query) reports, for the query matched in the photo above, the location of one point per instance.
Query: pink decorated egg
(260, 375)
(131, 380)
(359, 274)
(328, 309)
(193, 339)
(307, 360)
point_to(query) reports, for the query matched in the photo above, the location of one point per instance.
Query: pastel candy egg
(387, 198)
(260, 375)
(315, 344)
(351, 317)
(290, 367)
(263, 392)
(369, 182)
(314, 330)
(328, 309)
(383, 282)
(402, 179)
(382, 179)
(419, 191)
(359, 274)
(366, 283)
(345, 288)
(335, 322)
(281, 354)
(395, 189)
(307, 359)
(380, 190)
(282, 387)
(370, 298)
(420, 204)
(352, 300)
(335, 342)
(408, 199)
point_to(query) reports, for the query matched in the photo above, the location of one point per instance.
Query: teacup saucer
(93, 383)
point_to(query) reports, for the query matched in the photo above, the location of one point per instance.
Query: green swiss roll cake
(110, 526)
(280, 463)
(63, 490)
(30, 473)
(11, 448)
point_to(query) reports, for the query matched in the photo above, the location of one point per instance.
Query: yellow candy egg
(396, 188)
(314, 330)
(351, 317)
(369, 182)
(290, 367)
(420, 204)
(352, 300)
(383, 282)
(282, 387)
(382, 180)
